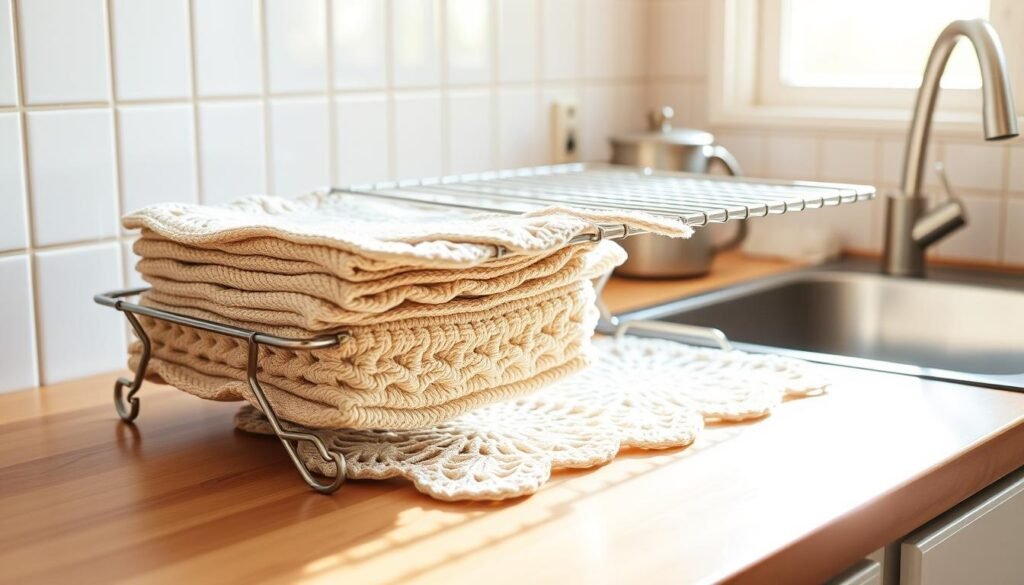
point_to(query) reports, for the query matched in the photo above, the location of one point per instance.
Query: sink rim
(849, 271)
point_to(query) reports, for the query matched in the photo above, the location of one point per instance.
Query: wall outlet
(565, 136)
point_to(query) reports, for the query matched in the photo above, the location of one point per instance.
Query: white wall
(108, 105)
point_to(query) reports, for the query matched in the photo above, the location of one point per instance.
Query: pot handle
(721, 154)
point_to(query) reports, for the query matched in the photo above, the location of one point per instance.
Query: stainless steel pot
(673, 149)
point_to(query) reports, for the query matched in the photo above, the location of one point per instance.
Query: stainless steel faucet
(910, 228)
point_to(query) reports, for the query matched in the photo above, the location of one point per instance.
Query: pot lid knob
(661, 119)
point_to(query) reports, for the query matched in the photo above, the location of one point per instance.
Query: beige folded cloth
(388, 235)
(280, 257)
(319, 303)
(400, 375)
(436, 320)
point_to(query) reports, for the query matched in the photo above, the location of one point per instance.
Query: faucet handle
(943, 219)
(940, 170)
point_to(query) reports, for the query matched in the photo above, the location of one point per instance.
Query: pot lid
(662, 132)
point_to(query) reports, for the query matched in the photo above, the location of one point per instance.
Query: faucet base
(902, 256)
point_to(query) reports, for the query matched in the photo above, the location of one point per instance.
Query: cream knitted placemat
(279, 257)
(643, 393)
(395, 234)
(376, 296)
(408, 374)
(316, 303)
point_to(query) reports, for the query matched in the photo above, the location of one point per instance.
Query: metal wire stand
(128, 405)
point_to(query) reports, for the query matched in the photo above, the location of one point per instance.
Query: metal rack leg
(289, 438)
(129, 413)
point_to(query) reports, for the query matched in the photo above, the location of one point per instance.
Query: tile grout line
(333, 170)
(30, 237)
(1004, 206)
(612, 81)
(115, 121)
(115, 129)
(542, 130)
(441, 44)
(390, 115)
(268, 130)
(197, 158)
(493, 59)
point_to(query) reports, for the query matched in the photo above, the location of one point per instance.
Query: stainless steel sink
(940, 328)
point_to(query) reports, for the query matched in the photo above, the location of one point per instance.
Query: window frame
(744, 87)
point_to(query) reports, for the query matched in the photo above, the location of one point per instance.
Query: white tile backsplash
(631, 39)
(71, 165)
(519, 123)
(416, 46)
(596, 123)
(517, 40)
(64, 51)
(627, 117)
(158, 159)
(560, 39)
(151, 49)
(133, 102)
(292, 94)
(18, 366)
(469, 41)
(227, 47)
(979, 240)
(1014, 250)
(470, 132)
(300, 133)
(362, 137)
(232, 150)
(892, 153)
(974, 166)
(792, 157)
(360, 33)
(13, 233)
(679, 35)
(849, 160)
(417, 135)
(77, 337)
(8, 74)
(601, 28)
(1016, 170)
(296, 43)
(747, 147)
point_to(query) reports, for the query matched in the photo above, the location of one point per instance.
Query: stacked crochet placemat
(638, 393)
(443, 310)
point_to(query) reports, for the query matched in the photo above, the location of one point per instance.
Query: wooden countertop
(182, 498)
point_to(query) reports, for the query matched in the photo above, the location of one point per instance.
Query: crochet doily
(500, 451)
(638, 392)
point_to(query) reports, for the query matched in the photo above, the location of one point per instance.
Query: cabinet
(980, 542)
(866, 572)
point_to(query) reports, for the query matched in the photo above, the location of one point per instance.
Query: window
(852, 59)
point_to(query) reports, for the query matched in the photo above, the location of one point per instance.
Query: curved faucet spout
(910, 228)
(1000, 118)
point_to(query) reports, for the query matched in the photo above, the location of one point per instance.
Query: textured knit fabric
(637, 393)
(439, 311)
(382, 235)
(297, 314)
(400, 375)
(318, 302)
